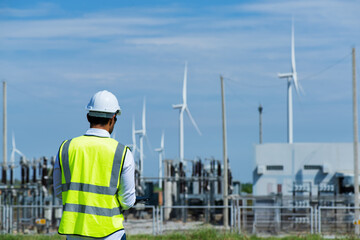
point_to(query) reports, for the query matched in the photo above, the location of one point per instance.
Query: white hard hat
(103, 104)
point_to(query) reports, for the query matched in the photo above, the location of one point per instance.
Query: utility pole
(260, 123)
(225, 157)
(356, 140)
(4, 167)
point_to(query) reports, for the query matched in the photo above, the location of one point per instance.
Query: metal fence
(30, 218)
(141, 219)
(336, 220)
(46, 219)
(274, 220)
(193, 217)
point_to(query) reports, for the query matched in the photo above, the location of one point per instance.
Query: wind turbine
(133, 136)
(142, 134)
(161, 152)
(291, 79)
(183, 107)
(12, 158)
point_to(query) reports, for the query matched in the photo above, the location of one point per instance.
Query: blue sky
(55, 55)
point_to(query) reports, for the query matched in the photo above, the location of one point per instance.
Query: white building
(306, 168)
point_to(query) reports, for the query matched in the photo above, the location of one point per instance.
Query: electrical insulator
(172, 170)
(180, 167)
(219, 170)
(200, 168)
(3, 176)
(193, 170)
(22, 174)
(34, 171)
(44, 172)
(40, 167)
(229, 181)
(11, 176)
(27, 173)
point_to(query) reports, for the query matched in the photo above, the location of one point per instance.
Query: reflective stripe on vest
(91, 210)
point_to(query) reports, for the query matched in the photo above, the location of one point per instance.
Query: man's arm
(57, 178)
(126, 193)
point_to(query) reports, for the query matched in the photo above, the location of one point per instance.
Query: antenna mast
(4, 135)
(356, 140)
(260, 123)
(225, 157)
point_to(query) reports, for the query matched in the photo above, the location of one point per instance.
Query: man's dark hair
(97, 120)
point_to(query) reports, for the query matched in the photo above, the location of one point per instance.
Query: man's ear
(111, 121)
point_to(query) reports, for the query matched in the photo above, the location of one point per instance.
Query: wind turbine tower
(133, 136)
(161, 152)
(291, 79)
(183, 107)
(142, 134)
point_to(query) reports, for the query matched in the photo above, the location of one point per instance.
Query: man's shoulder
(95, 138)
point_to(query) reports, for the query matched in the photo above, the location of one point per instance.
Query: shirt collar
(97, 132)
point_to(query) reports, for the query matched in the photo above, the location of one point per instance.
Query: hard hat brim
(103, 114)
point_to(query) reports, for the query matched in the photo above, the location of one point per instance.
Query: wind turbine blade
(144, 117)
(294, 77)
(301, 89)
(12, 157)
(293, 65)
(149, 146)
(133, 132)
(18, 152)
(163, 145)
(184, 86)
(193, 121)
(13, 141)
(162, 141)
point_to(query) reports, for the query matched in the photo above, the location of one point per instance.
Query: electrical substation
(297, 187)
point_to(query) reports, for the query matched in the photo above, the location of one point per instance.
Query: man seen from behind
(94, 176)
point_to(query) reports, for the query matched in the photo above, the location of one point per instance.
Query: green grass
(213, 234)
(32, 237)
(202, 234)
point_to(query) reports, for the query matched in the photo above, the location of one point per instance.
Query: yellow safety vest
(90, 172)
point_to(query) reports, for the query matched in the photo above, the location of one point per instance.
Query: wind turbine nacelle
(159, 150)
(141, 132)
(177, 106)
(285, 75)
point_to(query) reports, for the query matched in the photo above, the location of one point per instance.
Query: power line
(254, 85)
(326, 68)
(241, 97)
(302, 79)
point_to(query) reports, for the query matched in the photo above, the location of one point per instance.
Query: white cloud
(22, 12)
(100, 78)
(332, 12)
(40, 10)
(192, 42)
(77, 28)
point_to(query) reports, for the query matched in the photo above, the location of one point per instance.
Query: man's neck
(104, 127)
